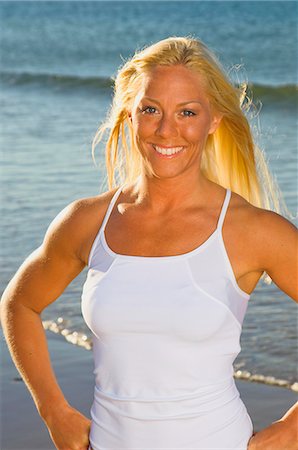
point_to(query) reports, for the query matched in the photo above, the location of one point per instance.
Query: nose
(167, 127)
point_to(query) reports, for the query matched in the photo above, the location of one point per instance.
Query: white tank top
(166, 330)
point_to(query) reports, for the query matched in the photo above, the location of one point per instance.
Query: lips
(167, 152)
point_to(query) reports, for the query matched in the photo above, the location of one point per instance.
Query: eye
(148, 110)
(188, 113)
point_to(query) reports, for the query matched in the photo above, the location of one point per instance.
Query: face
(171, 119)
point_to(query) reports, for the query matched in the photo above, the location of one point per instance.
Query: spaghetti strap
(110, 207)
(160, 326)
(103, 224)
(224, 209)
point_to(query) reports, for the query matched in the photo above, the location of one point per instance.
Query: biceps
(280, 260)
(41, 279)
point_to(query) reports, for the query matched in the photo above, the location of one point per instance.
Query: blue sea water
(57, 60)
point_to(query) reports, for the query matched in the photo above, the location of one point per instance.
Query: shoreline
(82, 340)
(73, 366)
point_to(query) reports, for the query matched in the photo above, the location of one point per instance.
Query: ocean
(57, 60)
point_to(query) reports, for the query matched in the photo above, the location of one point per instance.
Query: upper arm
(49, 269)
(277, 250)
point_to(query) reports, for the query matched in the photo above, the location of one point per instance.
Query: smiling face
(171, 119)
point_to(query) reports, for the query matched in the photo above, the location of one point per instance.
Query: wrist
(52, 407)
(252, 443)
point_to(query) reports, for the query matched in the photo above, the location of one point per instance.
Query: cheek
(197, 131)
(145, 127)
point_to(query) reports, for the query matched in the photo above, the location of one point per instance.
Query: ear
(129, 116)
(215, 122)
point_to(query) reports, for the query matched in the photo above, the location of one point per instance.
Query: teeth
(168, 151)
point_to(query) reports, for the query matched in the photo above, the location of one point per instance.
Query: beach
(58, 60)
(23, 429)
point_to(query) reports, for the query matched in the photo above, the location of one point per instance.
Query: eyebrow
(179, 104)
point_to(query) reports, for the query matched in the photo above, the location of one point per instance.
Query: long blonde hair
(231, 158)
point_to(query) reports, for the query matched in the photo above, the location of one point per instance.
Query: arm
(281, 435)
(277, 251)
(277, 243)
(40, 281)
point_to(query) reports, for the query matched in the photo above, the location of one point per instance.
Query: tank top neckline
(198, 249)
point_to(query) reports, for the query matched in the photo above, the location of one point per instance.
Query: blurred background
(57, 60)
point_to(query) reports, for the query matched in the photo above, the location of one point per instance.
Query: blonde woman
(174, 252)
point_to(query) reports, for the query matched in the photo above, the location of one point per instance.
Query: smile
(168, 152)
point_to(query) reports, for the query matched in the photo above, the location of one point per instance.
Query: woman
(174, 253)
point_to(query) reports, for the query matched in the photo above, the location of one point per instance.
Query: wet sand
(22, 428)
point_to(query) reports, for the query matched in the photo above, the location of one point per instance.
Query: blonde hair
(231, 158)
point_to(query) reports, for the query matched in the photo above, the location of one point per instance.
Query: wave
(49, 80)
(286, 92)
(82, 340)
(273, 92)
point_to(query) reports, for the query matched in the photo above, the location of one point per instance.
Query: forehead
(174, 81)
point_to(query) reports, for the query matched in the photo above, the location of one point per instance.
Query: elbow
(13, 311)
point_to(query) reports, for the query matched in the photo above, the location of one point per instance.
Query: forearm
(27, 344)
(280, 435)
(290, 421)
(291, 416)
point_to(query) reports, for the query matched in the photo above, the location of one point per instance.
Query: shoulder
(84, 208)
(262, 223)
(270, 228)
(276, 236)
(75, 226)
(271, 240)
(277, 241)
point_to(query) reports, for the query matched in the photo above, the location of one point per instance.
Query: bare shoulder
(269, 227)
(270, 242)
(77, 224)
(261, 223)
(276, 236)
(49, 269)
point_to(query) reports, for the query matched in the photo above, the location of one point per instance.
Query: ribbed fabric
(166, 331)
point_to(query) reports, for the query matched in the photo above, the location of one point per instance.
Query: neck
(167, 195)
